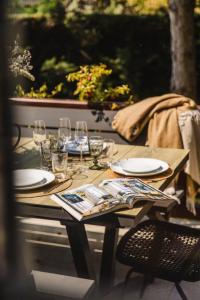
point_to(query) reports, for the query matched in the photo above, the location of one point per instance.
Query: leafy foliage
(54, 10)
(40, 93)
(74, 7)
(91, 85)
(136, 48)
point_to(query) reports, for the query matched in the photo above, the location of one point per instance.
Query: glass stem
(81, 153)
(95, 161)
(40, 149)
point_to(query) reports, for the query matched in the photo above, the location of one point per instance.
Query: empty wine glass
(96, 147)
(39, 135)
(64, 132)
(81, 136)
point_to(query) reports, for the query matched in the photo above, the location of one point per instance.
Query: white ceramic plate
(141, 165)
(26, 177)
(45, 177)
(116, 167)
(73, 148)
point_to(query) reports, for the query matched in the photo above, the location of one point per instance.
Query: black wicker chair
(163, 250)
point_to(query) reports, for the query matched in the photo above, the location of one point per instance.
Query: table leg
(108, 258)
(80, 250)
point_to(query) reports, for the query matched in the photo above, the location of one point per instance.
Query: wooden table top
(26, 156)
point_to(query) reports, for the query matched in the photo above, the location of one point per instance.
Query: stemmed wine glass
(64, 131)
(39, 135)
(81, 136)
(96, 148)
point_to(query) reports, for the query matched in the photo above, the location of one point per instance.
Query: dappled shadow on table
(27, 158)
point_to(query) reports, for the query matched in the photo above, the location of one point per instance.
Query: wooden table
(43, 207)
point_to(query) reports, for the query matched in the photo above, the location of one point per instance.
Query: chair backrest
(17, 135)
(162, 249)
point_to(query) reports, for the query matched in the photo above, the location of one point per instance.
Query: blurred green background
(131, 37)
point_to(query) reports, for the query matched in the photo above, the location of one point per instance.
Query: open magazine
(90, 200)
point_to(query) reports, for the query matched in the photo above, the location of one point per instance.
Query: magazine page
(130, 189)
(89, 200)
(119, 189)
(86, 198)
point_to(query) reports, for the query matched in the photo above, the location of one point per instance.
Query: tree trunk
(183, 74)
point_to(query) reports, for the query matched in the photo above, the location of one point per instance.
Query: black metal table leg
(108, 258)
(80, 250)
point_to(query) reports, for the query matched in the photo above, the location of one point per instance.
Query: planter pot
(50, 110)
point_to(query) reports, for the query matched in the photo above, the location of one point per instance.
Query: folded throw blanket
(162, 114)
(189, 123)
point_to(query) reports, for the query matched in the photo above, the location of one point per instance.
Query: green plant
(54, 9)
(91, 86)
(40, 93)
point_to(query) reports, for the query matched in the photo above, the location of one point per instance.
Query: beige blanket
(162, 114)
(189, 124)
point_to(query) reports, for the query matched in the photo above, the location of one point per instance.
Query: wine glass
(39, 135)
(96, 148)
(64, 131)
(81, 136)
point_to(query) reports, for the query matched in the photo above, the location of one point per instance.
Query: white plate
(26, 177)
(141, 165)
(73, 148)
(116, 167)
(46, 177)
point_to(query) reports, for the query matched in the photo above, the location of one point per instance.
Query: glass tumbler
(59, 163)
(46, 155)
(108, 152)
(96, 147)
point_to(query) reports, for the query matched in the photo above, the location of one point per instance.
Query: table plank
(176, 158)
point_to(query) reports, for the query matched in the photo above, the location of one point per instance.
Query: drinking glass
(109, 150)
(59, 163)
(96, 147)
(46, 154)
(47, 147)
(74, 169)
(64, 131)
(39, 135)
(81, 136)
